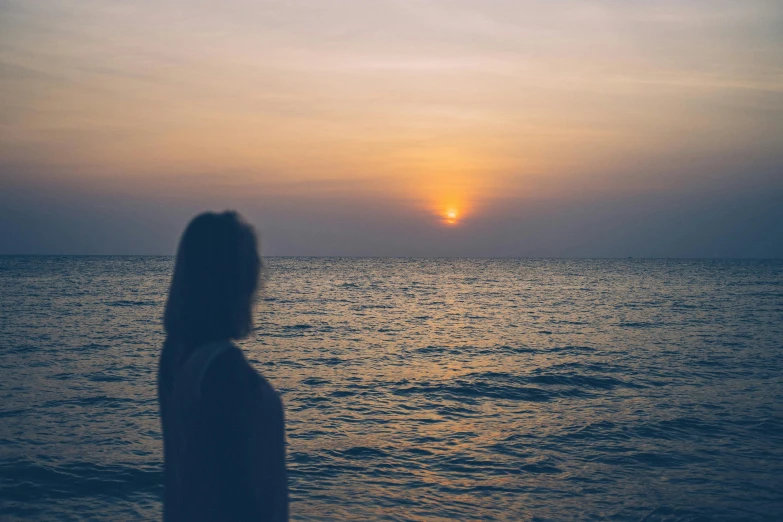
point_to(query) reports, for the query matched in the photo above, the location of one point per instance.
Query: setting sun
(452, 210)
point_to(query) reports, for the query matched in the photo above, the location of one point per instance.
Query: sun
(451, 212)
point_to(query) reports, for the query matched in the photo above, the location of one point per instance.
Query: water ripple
(419, 389)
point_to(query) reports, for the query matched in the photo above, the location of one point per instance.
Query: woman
(223, 431)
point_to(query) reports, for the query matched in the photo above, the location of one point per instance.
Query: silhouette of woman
(223, 428)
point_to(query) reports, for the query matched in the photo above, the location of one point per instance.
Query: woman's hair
(215, 278)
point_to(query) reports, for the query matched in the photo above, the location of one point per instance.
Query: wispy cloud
(415, 103)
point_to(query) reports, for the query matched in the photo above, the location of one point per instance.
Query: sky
(395, 128)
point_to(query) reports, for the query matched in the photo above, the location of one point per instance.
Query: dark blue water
(419, 389)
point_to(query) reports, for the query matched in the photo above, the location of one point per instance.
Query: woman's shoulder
(231, 373)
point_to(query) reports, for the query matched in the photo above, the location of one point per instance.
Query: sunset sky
(369, 127)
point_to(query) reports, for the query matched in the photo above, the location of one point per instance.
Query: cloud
(359, 121)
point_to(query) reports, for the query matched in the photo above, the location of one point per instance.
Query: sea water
(419, 389)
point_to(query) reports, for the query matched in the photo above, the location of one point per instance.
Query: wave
(126, 302)
(28, 480)
(526, 388)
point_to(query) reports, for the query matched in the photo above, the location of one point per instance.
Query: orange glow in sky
(440, 107)
(451, 216)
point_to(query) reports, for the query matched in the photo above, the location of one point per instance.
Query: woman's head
(215, 278)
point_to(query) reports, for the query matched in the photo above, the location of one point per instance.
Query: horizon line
(584, 258)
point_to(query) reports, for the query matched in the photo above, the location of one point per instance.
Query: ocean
(419, 389)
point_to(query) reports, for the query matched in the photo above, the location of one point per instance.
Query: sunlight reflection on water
(491, 389)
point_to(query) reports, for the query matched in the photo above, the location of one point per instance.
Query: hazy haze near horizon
(490, 128)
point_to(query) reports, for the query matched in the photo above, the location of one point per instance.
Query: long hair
(211, 295)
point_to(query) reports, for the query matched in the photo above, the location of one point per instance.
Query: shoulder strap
(195, 368)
